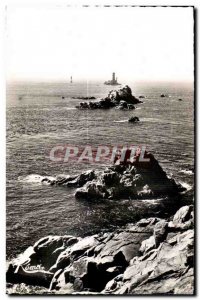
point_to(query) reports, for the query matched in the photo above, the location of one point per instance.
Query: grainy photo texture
(100, 150)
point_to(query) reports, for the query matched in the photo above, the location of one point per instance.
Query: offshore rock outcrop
(124, 180)
(133, 119)
(154, 256)
(121, 98)
(84, 98)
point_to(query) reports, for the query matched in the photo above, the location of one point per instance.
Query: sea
(42, 115)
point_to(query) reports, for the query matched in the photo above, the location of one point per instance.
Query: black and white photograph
(100, 149)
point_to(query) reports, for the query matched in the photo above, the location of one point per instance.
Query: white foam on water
(187, 172)
(33, 178)
(121, 121)
(186, 185)
(70, 108)
(153, 201)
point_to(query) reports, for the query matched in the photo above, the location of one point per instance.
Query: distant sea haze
(42, 115)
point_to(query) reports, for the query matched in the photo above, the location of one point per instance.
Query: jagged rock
(131, 106)
(121, 98)
(63, 179)
(128, 178)
(183, 214)
(78, 284)
(146, 222)
(124, 105)
(129, 260)
(80, 268)
(121, 248)
(58, 280)
(36, 261)
(135, 180)
(183, 219)
(113, 285)
(158, 270)
(185, 285)
(81, 179)
(74, 251)
(148, 244)
(160, 232)
(124, 93)
(71, 181)
(133, 119)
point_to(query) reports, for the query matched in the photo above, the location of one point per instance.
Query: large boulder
(183, 219)
(32, 267)
(160, 270)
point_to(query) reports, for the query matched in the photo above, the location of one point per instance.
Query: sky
(56, 42)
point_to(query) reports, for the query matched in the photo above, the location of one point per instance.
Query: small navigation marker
(71, 80)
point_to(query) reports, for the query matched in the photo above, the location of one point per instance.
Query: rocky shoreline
(153, 256)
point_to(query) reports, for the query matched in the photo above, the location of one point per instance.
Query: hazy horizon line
(79, 80)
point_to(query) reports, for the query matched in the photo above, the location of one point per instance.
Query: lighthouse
(113, 81)
(113, 78)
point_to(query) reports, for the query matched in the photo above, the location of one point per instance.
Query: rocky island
(121, 98)
(123, 180)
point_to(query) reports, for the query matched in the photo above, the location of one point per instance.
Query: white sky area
(55, 42)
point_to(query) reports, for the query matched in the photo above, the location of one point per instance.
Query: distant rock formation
(84, 98)
(133, 119)
(153, 256)
(164, 96)
(121, 98)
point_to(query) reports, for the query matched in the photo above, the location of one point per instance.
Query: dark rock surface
(137, 180)
(84, 98)
(121, 98)
(124, 180)
(133, 119)
(149, 257)
(164, 96)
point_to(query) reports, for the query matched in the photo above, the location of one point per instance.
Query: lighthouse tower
(113, 78)
(113, 81)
